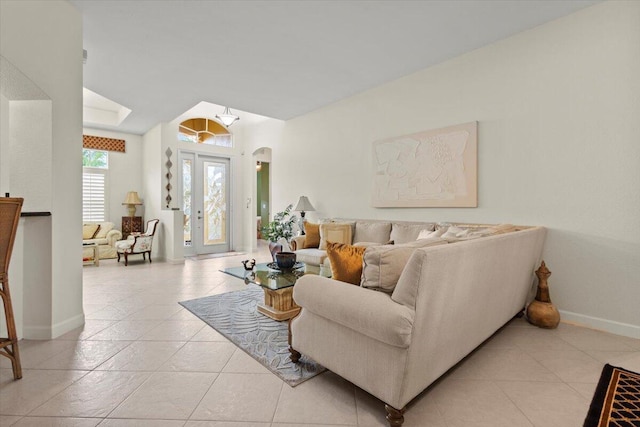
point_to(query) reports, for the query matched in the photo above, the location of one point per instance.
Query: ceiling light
(227, 118)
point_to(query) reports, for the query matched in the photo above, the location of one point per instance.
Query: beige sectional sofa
(447, 299)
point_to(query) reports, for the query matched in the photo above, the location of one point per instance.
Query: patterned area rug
(235, 316)
(616, 401)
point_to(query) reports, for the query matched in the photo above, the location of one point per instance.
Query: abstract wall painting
(435, 168)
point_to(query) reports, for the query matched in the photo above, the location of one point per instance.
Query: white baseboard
(47, 333)
(611, 326)
(36, 332)
(65, 326)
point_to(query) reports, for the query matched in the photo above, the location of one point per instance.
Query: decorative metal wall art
(168, 175)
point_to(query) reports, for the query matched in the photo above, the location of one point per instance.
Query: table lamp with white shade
(303, 206)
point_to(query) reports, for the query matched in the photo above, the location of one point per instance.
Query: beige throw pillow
(377, 232)
(427, 234)
(334, 232)
(403, 233)
(89, 231)
(383, 265)
(105, 227)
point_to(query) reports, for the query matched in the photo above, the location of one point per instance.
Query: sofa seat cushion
(312, 256)
(378, 232)
(96, 241)
(383, 265)
(371, 313)
(122, 245)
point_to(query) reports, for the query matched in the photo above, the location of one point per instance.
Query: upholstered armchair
(138, 244)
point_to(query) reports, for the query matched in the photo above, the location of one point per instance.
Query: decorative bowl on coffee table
(285, 260)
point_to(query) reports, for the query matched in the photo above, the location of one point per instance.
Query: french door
(205, 203)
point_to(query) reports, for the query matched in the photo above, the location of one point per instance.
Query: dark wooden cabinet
(131, 224)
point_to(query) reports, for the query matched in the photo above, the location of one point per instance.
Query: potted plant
(280, 231)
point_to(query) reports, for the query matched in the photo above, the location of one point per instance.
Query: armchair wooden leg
(126, 259)
(395, 417)
(295, 355)
(149, 257)
(118, 256)
(144, 256)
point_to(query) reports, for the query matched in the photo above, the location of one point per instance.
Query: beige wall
(558, 117)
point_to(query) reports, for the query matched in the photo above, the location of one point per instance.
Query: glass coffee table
(277, 286)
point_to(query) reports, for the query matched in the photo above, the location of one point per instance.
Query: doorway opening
(262, 160)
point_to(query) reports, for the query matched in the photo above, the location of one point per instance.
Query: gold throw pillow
(346, 262)
(312, 235)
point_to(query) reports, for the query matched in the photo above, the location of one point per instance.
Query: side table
(95, 258)
(131, 224)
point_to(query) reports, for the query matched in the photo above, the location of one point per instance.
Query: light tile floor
(142, 360)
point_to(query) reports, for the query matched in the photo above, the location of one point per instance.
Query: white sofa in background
(106, 239)
(448, 299)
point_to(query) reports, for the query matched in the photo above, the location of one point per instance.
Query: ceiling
(279, 59)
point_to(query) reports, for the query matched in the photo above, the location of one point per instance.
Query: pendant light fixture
(227, 118)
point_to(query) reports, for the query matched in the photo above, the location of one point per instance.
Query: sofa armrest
(368, 312)
(113, 236)
(297, 243)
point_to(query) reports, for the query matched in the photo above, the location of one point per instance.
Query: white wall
(151, 175)
(30, 154)
(558, 113)
(125, 174)
(5, 145)
(50, 55)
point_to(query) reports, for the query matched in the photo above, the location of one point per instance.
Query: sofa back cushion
(336, 232)
(346, 262)
(408, 232)
(312, 235)
(374, 232)
(105, 227)
(89, 231)
(383, 265)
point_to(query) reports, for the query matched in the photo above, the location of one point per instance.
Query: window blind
(94, 203)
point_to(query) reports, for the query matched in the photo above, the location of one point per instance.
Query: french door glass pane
(187, 170)
(215, 203)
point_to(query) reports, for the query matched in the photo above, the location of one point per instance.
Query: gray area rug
(235, 316)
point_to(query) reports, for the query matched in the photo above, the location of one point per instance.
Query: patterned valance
(100, 143)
